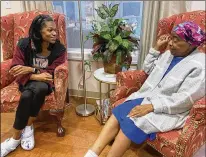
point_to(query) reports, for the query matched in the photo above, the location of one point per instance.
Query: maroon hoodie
(24, 54)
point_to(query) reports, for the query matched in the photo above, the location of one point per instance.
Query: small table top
(101, 76)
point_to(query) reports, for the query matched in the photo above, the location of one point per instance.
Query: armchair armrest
(194, 129)
(133, 78)
(61, 84)
(6, 77)
(199, 108)
(62, 70)
(127, 83)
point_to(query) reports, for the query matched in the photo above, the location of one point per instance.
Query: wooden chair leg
(58, 115)
(67, 95)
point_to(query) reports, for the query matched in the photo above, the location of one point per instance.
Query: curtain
(153, 11)
(40, 5)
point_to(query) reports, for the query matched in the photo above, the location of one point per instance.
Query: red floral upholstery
(176, 143)
(127, 83)
(7, 36)
(10, 96)
(5, 72)
(15, 26)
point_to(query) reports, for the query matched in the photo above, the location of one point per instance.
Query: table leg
(100, 96)
(108, 90)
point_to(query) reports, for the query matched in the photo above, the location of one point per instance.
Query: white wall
(92, 84)
(15, 8)
(198, 5)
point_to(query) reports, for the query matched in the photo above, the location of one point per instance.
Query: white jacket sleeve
(150, 60)
(192, 89)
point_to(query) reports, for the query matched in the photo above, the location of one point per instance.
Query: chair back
(16, 26)
(166, 25)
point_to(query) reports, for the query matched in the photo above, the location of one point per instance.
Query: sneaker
(8, 146)
(27, 139)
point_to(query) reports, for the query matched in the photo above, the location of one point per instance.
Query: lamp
(83, 109)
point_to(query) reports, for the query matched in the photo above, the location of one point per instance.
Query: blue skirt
(127, 126)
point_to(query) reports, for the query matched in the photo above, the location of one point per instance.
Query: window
(70, 9)
(130, 10)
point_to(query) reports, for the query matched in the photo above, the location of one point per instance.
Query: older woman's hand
(162, 41)
(141, 110)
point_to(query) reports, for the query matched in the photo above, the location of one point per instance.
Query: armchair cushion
(166, 142)
(10, 96)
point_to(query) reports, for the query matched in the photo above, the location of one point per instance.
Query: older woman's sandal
(27, 141)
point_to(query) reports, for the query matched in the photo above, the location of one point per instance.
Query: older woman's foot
(8, 146)
(27, 141)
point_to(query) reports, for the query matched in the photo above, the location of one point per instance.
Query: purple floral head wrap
(190, 32)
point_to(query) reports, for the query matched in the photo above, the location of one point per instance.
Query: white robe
(173, 96)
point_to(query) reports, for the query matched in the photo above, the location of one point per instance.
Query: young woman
(33, 65)
(176, 80)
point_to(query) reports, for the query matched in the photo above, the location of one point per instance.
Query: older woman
(176, 79)
(34, 62)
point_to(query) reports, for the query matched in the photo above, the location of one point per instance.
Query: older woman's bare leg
(107, 134)
(120, 145)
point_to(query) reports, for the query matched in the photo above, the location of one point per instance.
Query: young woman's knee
(41, 88)
(27, 95)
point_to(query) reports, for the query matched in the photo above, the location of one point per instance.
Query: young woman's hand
(141, 110)
(162, 41)
(44, 77)
(20, 70)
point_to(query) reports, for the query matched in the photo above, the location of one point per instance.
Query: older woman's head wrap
(190, 32)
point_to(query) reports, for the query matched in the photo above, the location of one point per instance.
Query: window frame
(75, 54)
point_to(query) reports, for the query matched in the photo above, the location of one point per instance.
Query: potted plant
(112, 41)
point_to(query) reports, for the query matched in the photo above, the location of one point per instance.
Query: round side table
(109, 79)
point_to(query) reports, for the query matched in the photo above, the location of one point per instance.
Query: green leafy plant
(112, 37)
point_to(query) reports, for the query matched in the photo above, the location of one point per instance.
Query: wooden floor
(81, 133)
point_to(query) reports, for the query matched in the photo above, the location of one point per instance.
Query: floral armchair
(13, 27)
(176, 143)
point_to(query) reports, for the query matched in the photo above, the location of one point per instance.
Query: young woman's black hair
(35, 31)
